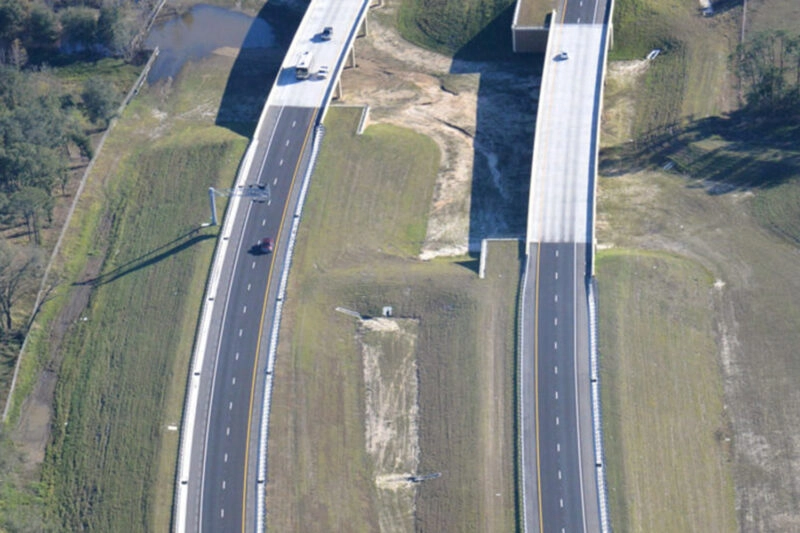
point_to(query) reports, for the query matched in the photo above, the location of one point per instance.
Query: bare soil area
(474, 111)
(388, 348)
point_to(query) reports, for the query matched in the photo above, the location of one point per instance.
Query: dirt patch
(33, 429)
(619, 112)
(388, 348)
(469, 109)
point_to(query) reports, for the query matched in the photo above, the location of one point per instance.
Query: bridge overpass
(560, 440)
(223, 461)
(222, 464)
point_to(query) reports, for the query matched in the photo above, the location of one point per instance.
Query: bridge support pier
(337, 89)
(363, 28)
(350, 62)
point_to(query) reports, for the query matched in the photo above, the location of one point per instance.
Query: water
(202, 30)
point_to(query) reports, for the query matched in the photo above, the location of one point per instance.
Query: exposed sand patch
(388, 349)
(452, 102)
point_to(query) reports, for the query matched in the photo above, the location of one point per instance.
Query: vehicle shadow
(503, 139)
(256, 68)
(156, 255)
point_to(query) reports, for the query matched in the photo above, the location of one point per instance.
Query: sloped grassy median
(357, 246)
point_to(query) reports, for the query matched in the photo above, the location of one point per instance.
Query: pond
(197, 33)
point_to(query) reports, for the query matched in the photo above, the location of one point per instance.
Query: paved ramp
(558, 453)
(564, 154)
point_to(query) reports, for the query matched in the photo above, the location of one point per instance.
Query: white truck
(304, 64)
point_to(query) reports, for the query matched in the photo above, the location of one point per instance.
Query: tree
(32, 203)
(12, 14)
(768, 66)
(79, 28)
(43, 27)
(19, 274)
(17, 55)
(108, 25)
(12, 85)
(99, 99)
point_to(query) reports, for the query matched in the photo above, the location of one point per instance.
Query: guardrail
(261, 509)
(597, 412)
(520, 398)
(597, 415)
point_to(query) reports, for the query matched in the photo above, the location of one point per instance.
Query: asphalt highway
(219, 476)
(584, 11)
(221, 493)
(562, 496)
(559, 464)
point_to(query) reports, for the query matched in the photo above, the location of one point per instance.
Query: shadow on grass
(503, 137)
(255, 70)
(722, 154)
(166, 250)
(472, 263)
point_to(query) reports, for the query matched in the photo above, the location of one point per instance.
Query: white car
(323, 71)
(563, 56)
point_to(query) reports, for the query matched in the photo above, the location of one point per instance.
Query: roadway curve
(219, 496)
(558, 455)
(219, 475)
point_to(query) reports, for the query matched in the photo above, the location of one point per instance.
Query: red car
(263, 246)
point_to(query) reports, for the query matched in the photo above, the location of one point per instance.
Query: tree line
(40, 30)
(768, 66)
(42, 123)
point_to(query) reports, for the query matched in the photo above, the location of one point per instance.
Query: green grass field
(364, 223)
(449, 26)
(725, 213)
(665, 427)
(110, 467)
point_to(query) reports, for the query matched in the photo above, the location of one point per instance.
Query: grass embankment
(364, 224)
(447, 26)
(110, 463)
(730, 211)
(689, 78)
(66, 81)
(667, 439)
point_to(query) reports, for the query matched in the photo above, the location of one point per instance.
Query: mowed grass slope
(689, 79)
(728, 207)
(110, 463)
(364, 224)
(667, 439)
(448, 25)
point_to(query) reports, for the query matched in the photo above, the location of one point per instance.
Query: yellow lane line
(263, 314)
(540, 199)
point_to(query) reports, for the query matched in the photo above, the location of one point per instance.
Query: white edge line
(198, 357)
